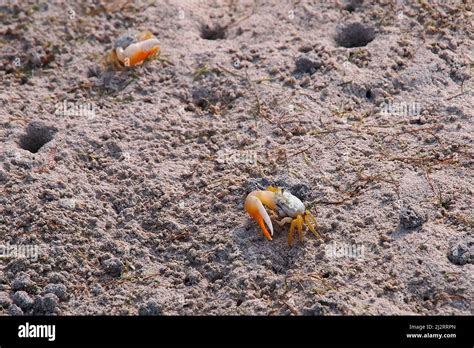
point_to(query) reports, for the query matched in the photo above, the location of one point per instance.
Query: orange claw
(254, 206)
(262, 226)
(137, 52)
(131, 50)
(140, 56)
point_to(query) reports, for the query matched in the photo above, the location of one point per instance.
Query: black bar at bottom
(412, 330)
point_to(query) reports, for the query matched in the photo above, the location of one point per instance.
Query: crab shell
(288, 205)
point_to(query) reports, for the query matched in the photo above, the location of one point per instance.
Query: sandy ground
(129, 199)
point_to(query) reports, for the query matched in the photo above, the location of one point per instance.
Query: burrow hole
(354, 35)
(368, 94)
(353, 5)
(37, 134)
(213, 32)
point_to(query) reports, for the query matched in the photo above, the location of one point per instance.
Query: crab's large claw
(136, 53)
(255, 208)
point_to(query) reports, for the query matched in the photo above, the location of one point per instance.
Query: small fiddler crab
(132, 49)
(288, 207)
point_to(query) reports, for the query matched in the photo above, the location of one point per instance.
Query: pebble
(113, 267)
(307, 64)
(21, 282)
(50, 302)
(462, 252)
(5, 300)
(59, 290)
(14, 310)
(411, 218)
(151, 308)
(23, 300)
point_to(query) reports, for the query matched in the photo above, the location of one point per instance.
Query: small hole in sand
(368, 94)
(214, 32)
(37, 134)
(353, 5)
(326, 275)
(354, 35)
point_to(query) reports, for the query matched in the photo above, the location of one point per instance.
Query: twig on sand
(291, 308)
(360, 185)
(462, 90)
(260, 109)
(134, 278)
(455, 96)
(304, 150)
(19, 119)
(51, 161)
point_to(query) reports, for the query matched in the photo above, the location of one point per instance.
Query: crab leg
(284, 221)
(299, 223)
(311, 223)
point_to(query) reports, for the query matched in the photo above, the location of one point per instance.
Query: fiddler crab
(288, 207)
(132, 49)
